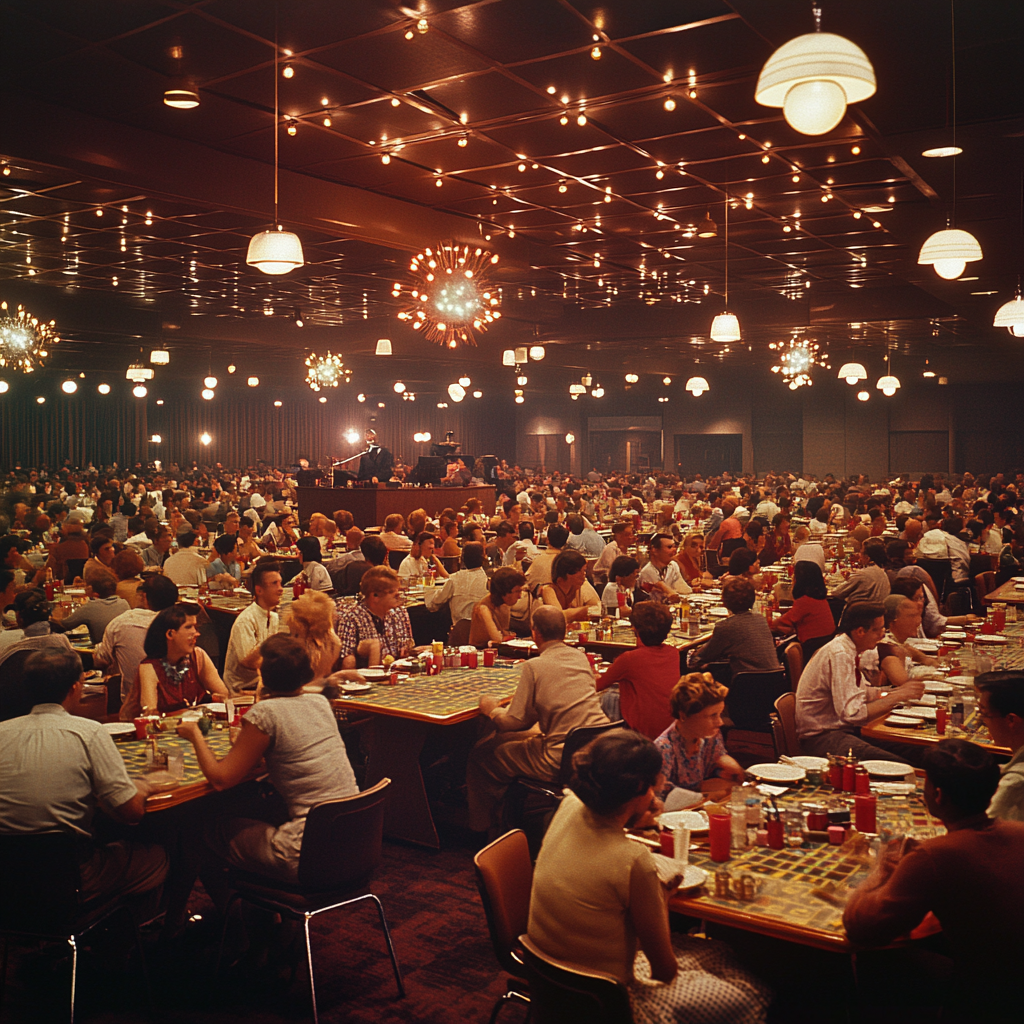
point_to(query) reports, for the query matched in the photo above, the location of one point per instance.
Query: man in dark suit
(378, 463)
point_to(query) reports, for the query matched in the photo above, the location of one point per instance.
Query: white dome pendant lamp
(275, 251)
(814, 77)
(1011, 315)
(725, 327)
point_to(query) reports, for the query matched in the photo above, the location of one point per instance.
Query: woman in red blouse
(810, 615)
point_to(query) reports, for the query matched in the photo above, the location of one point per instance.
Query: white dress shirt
(830, 694)
(463, 588)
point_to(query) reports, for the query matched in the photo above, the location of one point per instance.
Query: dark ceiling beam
(185, 171)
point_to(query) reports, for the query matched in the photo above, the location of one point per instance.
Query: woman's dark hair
(286, 665)
(309, 549)
(740, 561)
(227, 542)
(875, 551)
(169, 620)
(126, 564)
(966, 773)
(504, 581)
(613, 769)
(98, 541)
(567, 564)
(895, 551)
(905, 586)
(623, 566)
(652, 621)
(738, 595)
(808, 581)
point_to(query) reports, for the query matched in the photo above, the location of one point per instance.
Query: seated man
(1001, 704)
(969, 878)
(57, 768)
(102, 605)
(661, 578)
(743, 638)
(378, 625)
(556, 693)
(371, 552)
(463, 588)
(869, 585)
(186, 567)
(252, 626)
(833, 698)
(583, 537)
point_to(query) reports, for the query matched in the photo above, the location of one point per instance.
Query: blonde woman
(310, 620)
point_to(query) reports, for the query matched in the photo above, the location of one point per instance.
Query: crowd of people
(553, 551)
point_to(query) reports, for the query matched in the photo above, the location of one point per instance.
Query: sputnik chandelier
(449, 297)
(326, 371)
(797, 357)
(24, 339)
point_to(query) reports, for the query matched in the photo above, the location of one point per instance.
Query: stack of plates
(777, 772)
(887, 769)
(904, 721)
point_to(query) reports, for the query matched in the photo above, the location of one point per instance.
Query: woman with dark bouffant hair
(598, 902)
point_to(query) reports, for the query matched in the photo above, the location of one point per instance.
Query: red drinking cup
(865, 812)
(940, 720)
(720, 835)
(489, 658)
(140, 728)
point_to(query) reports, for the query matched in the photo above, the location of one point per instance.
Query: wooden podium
(370, 506)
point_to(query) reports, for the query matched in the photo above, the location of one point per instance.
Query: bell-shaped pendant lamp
(697, 386)
(1011, 315)
(949, 251)
(707, 228)
(888, 385)
(383, 347)
(852, 372)
(275, 252)
(725, 327)
(813, 78)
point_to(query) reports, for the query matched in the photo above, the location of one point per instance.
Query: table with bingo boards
(798, 893)
(401, 717)
(621, 637)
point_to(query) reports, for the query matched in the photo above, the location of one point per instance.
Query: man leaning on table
(1001, 705)
(57, 768)
(834, 697)
(970, 879)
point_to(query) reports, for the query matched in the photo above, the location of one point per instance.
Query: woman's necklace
(176, 673)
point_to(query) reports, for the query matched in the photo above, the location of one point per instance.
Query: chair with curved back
(458, 635)
(504, 877)
(395, 558)
(984, 583)
(73, 569)
(794, 656)
(562, 993)
(341, 848)
(751, 699)
(784, 726)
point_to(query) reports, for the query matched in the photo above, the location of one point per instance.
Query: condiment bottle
(849, 773)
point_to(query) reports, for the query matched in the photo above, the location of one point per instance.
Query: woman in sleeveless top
(568, 585)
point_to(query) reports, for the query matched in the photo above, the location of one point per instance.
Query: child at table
(622, 578)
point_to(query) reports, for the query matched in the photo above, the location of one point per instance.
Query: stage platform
(371, 505)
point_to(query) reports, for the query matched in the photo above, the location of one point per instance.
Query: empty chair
(984, 583)
(504, 876)
(458, 635)
(73, 569)
(752, 697)
(784, 726)
(794, 657)
(395, 558)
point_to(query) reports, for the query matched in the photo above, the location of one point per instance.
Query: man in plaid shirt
(378, 625)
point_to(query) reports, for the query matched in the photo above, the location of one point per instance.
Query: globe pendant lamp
(813, 78)
(278, 251)
(725, 327)
(853, 372)
(888, 384)
(949, 251)
(1011, 315)
(697, 386)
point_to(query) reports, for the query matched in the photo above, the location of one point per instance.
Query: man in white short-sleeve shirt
(253, 625)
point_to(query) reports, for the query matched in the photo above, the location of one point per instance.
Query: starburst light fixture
(450, 297)
(24, 340)
(326, 371)
(797, 357)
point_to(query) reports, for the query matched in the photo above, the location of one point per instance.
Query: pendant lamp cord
(277, 115)
(727, 252)
(952, 35)
(816, 11)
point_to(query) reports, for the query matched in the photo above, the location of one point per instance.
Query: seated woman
(225, 571)
(647, 675)
(622, 578)
(690, 560)
(742, 638)
(777, 541)
(489, 624)
(743, 563)
(692, 752)
(613, 916)
(313, 573)
(127, 567)
(915, 583)
(296, 735)
(810, 615)
(310, 620)
(175, 673)
(280, 535)
(569, 589)
(897, 659)
(421, 558)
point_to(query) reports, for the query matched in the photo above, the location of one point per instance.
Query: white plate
(719, 612)
(932, 686)
(1017, 579)
(192, 715)
(123, 729)
(961, 680)
(777, 772)
(903, 721)
(990, 638)
(889, 769)
(375, 674)
(695, 821)
(216, 709)
(810, 763)
(351, 687)
(926, 714)
(693, 877)
(928, 646)
(953, 634)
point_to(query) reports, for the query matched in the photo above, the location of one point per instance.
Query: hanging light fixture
(707, 228)
(465, 381)
(508, 357)
(1011, 315)
(181, 92)
(456, 392)
(159, 357)
(383, 347)
(813, 77)
(852, 372)
(326, 371)
(697, 386)
(537, 352)
(25, 340)
(797, 357)
(277, 251)
(951, 249)
(725, 327)
(888, 384)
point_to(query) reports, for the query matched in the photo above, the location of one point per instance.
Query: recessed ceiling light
(993, 292)
(967, 278)
(943, 151)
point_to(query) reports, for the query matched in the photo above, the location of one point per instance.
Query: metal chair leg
(3, 972)
(74, 973)
(507, 997)
(390, 944)
(309, 964)
(232, 899)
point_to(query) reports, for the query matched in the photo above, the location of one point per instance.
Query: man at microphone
(378, 463)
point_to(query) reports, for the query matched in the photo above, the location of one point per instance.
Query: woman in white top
(313, 573)
(622, 577)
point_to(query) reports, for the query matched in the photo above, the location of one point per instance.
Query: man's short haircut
(895, 551)
(526, 530)
(740, 561)
(861, 615)
(567, 563)
(504, 528)
(262, 571)
(393, 522)
(652, 621)
(1005, 691)
(659, 540)
(966, 773)
(225, 543)
(575, 524)
(98, 541)
(161, 592)
(504, 581)
(875, 550)
(49, 675)
(186, 539)
(557, 536)
(286, 665)
(549, 623)
(374, 550)
(620, 528)
(623, 566)
(102, 581)
(420, 538)
(738, 595)
(906, 586)
(473, 554)
(378, 580)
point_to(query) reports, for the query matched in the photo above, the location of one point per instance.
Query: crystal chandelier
(24, 340)
(797, 357)
(449, 297)
(326, 371)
